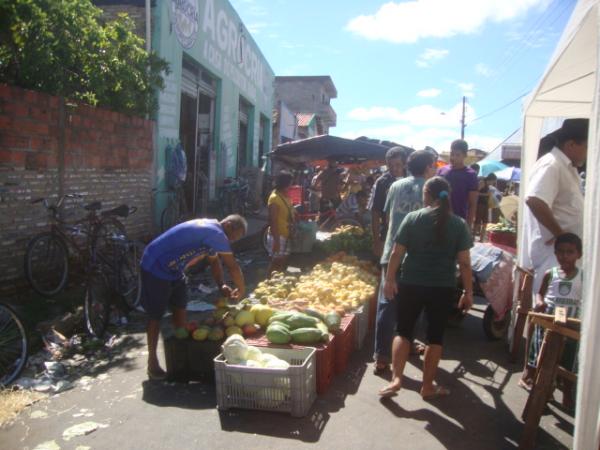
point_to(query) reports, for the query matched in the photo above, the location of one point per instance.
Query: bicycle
(47, 254)
(235, 197)
(13, 345)
(176, 210)
(113, 281)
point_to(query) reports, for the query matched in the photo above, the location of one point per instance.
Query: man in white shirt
(554, 197)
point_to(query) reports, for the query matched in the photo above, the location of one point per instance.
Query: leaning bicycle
(49, 254)
(113, 282)
(13, 345)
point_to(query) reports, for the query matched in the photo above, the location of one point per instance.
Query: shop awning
(319, 148)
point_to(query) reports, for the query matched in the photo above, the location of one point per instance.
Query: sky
(401, 68)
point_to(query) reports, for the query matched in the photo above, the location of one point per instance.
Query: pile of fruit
(310, 327)
(243, 319)
(275, 288)
(348, 238)
(341, 284)
(501, 227)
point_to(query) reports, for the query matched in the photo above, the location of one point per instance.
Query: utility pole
(462, 119)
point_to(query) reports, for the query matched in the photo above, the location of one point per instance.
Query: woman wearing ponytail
(421, 274)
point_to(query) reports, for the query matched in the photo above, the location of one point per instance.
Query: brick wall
(107, 156)
(137, 13)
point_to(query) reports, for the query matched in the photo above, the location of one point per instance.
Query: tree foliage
(63, 47)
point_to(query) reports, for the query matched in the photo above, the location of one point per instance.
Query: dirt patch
(12, 402)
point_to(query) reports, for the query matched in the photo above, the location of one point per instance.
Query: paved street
(132, 413)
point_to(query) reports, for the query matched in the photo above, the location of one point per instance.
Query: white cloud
(417, 126)
(483, 70)
(430, 56)
(433, 92)
(409, 21)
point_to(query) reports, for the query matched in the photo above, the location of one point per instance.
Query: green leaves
(63, 47)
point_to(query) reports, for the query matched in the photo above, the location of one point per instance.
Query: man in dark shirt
(395, 159)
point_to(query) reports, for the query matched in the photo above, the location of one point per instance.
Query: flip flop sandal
(380, 368)
(388, 392)
(157, 376)
(525, 385)
(439, 392)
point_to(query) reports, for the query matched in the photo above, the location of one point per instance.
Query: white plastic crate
(290, 390)
(362, 325)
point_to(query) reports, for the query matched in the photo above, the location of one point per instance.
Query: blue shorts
(158, 294)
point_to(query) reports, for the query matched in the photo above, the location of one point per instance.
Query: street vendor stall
(569, 88)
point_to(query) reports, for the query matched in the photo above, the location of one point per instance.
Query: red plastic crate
(325, 357)
(294, 193)
(344, 344)
(502, 238)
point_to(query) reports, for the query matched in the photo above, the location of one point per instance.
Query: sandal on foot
(438, 392)
(156, 375)
(380, 368)
(527, 385)
(388, 391)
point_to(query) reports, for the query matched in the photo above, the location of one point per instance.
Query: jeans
(385, 326)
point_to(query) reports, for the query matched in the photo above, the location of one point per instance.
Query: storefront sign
(229, 51)
(184, 14)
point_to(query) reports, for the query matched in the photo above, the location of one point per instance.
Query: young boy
(561, 287)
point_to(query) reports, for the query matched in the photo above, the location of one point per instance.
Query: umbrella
(509, 174)
(487, 166)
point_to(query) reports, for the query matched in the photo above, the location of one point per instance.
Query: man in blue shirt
(404, 196)
(166, 259)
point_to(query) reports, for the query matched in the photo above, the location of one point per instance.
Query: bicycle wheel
(169, 216)
(130, 281)
(96, 304)
(47, 264)
(13, 345)
(106, 241)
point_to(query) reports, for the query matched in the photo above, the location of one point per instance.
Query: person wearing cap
(554, 197)
(463, 181)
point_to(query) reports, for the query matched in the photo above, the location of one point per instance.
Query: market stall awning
(319, 148)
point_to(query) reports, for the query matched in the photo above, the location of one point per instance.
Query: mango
(216, 334)
(244, 317)
(181, 333)
(233, 330)
(201, 333)
(262, 314)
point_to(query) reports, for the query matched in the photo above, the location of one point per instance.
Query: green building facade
(217, 101)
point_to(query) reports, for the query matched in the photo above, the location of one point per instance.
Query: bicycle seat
(121, 211)
(94, 206)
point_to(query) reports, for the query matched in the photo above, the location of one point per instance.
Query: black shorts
(437, 302)
(158, 294)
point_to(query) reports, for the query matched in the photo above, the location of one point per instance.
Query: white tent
(569, 88)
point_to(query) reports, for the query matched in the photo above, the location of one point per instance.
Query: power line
(500, 108)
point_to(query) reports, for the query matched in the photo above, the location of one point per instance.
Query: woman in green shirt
(427, 247)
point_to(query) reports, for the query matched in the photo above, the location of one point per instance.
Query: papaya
(306, 336)
(279, 317)
(314, 313)
(278, 335)
(299, 320)
(333, 321)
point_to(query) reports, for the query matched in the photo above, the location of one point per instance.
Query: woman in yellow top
(281, 220)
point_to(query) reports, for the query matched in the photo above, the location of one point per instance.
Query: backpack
(176, 166)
